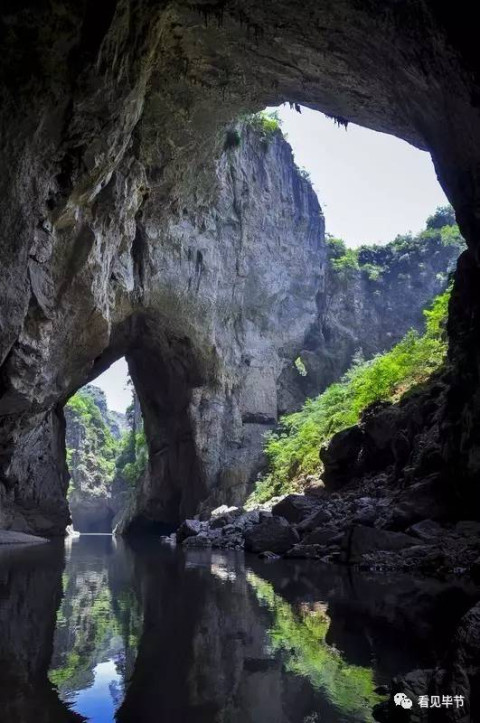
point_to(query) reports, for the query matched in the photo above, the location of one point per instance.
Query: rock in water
(295, 508)
(273, 535)
(189, 528)
(362, 540)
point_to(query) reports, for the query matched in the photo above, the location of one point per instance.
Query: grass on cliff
(132, 459)
(293, 450)
(377, 261)
(99, 448)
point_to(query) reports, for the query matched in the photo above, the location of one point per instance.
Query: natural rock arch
(111, 120)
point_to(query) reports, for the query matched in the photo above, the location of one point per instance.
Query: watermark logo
(401, 699)
(432, 701)
(441, 701)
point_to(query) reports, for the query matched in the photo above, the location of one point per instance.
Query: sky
(371, 187)
(114, 384)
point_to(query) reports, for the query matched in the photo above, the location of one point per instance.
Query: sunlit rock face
(112, 187)
(90, 434)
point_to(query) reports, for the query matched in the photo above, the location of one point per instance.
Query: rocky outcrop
(458, 676)
(367, 306)
(8, 537)
(91, 455)
(372, 525)
(126, 231)
(115, 421)
(271, 535)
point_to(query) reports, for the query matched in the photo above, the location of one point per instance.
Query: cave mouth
(106, 450)
(145, 478)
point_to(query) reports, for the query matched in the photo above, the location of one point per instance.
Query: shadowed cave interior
(129, 229)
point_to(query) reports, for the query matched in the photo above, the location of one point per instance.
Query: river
(95, 629)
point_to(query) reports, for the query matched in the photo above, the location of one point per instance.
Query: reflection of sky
(98, 703)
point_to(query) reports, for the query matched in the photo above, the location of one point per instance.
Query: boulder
(224, 516)
(426, 530)
(295, 508)
(189, 528)
(248, 519)
(317, 518)
(269, 556)
(274, 534)
(366, 516)
(322, 536)
(341, 456)
(224, 510)
(361, 540)
(365, 502)
(306, 551)
(423, 500)
(199, 540)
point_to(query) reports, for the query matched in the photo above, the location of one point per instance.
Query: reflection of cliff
(300, 634)
(98, 619)
(30, 592)
(205, 655)
(198, 638)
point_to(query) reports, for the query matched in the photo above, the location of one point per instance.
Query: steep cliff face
(110, 124)
(365, 306)
(367, 302)
(213, 302)
(92, 436)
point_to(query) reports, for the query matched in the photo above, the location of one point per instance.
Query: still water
(98, 630)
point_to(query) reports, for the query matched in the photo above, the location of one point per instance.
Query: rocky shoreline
(345, 528)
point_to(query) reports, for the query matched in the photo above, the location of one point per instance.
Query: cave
(163, 371)
(107, 170)
(128, 226)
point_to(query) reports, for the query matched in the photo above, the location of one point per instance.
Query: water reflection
(300, 634)
(98, 626)
(153, 634)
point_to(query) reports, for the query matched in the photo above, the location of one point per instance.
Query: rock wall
(269, 329)
(91, 455)
(366, 309)
(111, 125)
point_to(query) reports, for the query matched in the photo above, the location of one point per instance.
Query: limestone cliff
(368, 300)
(207, 305)
(267, 282)
(91, 438)
(112, 124)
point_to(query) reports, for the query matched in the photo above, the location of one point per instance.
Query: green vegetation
(94, 456)
(300, 366)
(266, 125)
(133, 457)
(98, 447)
(400, 255)
(293, 450)
(304, 174)
(443, 216)
(94, 624)
(300, 634)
